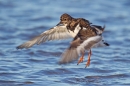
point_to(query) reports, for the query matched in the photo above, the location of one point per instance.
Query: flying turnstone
(68, 27)
(86, 36)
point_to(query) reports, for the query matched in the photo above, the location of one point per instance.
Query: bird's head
(65, 19)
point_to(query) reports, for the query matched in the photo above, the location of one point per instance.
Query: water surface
(21, 20)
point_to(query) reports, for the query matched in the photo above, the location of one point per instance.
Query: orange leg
(88, 62)
(81, 59)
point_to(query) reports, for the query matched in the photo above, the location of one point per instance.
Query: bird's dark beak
(60, 24)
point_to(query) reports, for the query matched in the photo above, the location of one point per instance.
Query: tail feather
(101, 44)
(106, 44)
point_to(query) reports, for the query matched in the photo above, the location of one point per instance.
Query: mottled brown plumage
(71, 22)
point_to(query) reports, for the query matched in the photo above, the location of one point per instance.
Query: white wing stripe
(86, 42)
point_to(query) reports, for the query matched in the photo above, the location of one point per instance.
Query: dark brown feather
(83, 34)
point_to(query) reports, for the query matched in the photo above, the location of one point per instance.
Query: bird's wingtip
(107, 44)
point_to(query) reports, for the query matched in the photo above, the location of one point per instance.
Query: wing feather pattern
(56, 33)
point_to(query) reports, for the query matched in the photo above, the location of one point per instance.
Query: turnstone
(86, 36)
(68, 27)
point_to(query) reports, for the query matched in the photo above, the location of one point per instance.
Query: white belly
(74, 33)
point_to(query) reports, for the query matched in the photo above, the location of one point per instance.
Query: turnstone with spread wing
(68, 27)
(88, 37)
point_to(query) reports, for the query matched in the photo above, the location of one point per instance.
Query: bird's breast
(75, 31)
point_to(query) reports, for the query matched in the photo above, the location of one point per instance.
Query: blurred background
(21, 20)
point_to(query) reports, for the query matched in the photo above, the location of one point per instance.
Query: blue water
(21, 20)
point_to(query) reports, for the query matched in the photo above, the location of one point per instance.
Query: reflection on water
(21, 20)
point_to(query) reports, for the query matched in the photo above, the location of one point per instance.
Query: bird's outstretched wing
(55, 33)
(70, 54)
(77, 48)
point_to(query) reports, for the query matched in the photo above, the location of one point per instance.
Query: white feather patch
(99, 44)
(75, 32)
(81, 48)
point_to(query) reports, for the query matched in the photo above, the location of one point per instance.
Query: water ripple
(21, 20)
